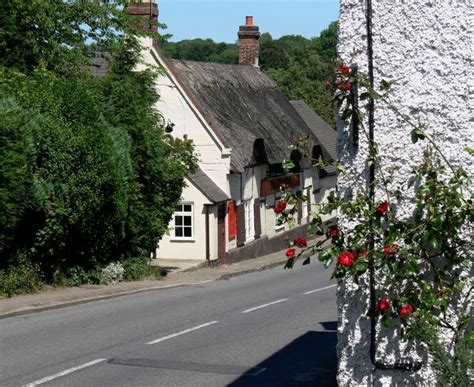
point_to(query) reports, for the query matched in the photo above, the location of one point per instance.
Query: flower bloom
(347, 259)
(333, 231)
(383, 207)
(290, 253)
(383, 305)
(300, 242)
(280, 206)
(406, 310)
(391, 249)
(348, 86)
(344, 69)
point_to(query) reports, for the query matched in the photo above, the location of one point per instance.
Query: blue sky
(220, 19)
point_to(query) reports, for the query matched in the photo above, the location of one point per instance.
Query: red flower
(280, 206)
(344, 69)
(406, 310)
(383, 305)
(383, 207)
(333, 231)
(347, 259)
(290, 253)
(348, 86)
(300, 242)
(391, 249)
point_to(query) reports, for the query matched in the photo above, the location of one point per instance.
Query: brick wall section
(146, 15)
(248, 45)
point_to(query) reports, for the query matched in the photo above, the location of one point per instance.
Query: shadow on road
(310, 360)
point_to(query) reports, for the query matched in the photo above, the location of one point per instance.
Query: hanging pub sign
(271, 186)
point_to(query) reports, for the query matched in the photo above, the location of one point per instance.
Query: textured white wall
(426, 46)
(172, 248)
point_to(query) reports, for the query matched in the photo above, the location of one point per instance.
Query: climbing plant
(424, 256)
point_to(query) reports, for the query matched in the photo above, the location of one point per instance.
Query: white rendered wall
(214, 159)
(426, 46)
(175, 248)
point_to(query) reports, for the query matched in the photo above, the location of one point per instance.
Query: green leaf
(288, 164)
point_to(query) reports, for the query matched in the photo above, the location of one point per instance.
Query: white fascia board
(225, 152)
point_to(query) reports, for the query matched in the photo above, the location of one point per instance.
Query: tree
(87, 175)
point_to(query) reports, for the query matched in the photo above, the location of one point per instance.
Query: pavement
(180, 274)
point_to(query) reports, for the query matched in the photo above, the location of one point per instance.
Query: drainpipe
(208, 253)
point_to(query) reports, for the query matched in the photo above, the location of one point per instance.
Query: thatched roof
(207, 186)
(326, 135)
(242, 105)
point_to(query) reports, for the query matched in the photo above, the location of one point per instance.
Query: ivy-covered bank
(87, 176)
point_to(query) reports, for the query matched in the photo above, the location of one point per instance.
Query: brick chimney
(145, 12)
(248, 42)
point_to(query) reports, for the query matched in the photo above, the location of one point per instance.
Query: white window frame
(249, 217)
(183, 213)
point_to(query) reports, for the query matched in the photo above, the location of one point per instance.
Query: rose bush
(424, 257)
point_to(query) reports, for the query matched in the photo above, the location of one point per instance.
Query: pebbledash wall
(426, 46)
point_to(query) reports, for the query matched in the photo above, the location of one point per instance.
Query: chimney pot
(249, 20)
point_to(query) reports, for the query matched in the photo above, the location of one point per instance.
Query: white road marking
(318, 290)
(265, 305)
(63, 373)
(182, 332)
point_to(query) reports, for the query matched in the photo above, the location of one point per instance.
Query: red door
(221, 253)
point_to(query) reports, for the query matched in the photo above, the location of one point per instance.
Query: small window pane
(178, 232)
(187, 220)
(187, 208)
(187, 232)
(179, 208)
(178, 220)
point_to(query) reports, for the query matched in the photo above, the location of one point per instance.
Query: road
(271, 328)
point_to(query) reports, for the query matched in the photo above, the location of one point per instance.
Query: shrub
(140, 268)
(112, 273)
(19, 279)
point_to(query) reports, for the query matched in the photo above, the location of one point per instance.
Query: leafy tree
(87, 174)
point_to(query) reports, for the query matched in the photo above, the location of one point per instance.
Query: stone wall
(426, 47)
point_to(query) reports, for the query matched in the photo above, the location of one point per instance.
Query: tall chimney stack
(248, 43)
(145, 12)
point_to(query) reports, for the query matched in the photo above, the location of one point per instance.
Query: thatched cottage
(243, 127)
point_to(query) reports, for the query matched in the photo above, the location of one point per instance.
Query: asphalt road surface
(271, 328)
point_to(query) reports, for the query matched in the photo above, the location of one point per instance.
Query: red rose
(383, 207)
(383, 305)
(391, 249)
(290, 253)
(300, 242)
(333, 231)
(346, 258)
(280, 206)
(406, 310)
(344, 69)
(347, 86)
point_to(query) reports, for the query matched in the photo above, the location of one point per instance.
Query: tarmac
(180, 273)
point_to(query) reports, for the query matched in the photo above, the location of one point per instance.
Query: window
(183, 221)
(249, 220)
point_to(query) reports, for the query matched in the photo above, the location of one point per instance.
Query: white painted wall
(173, 248)
(426, 46)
